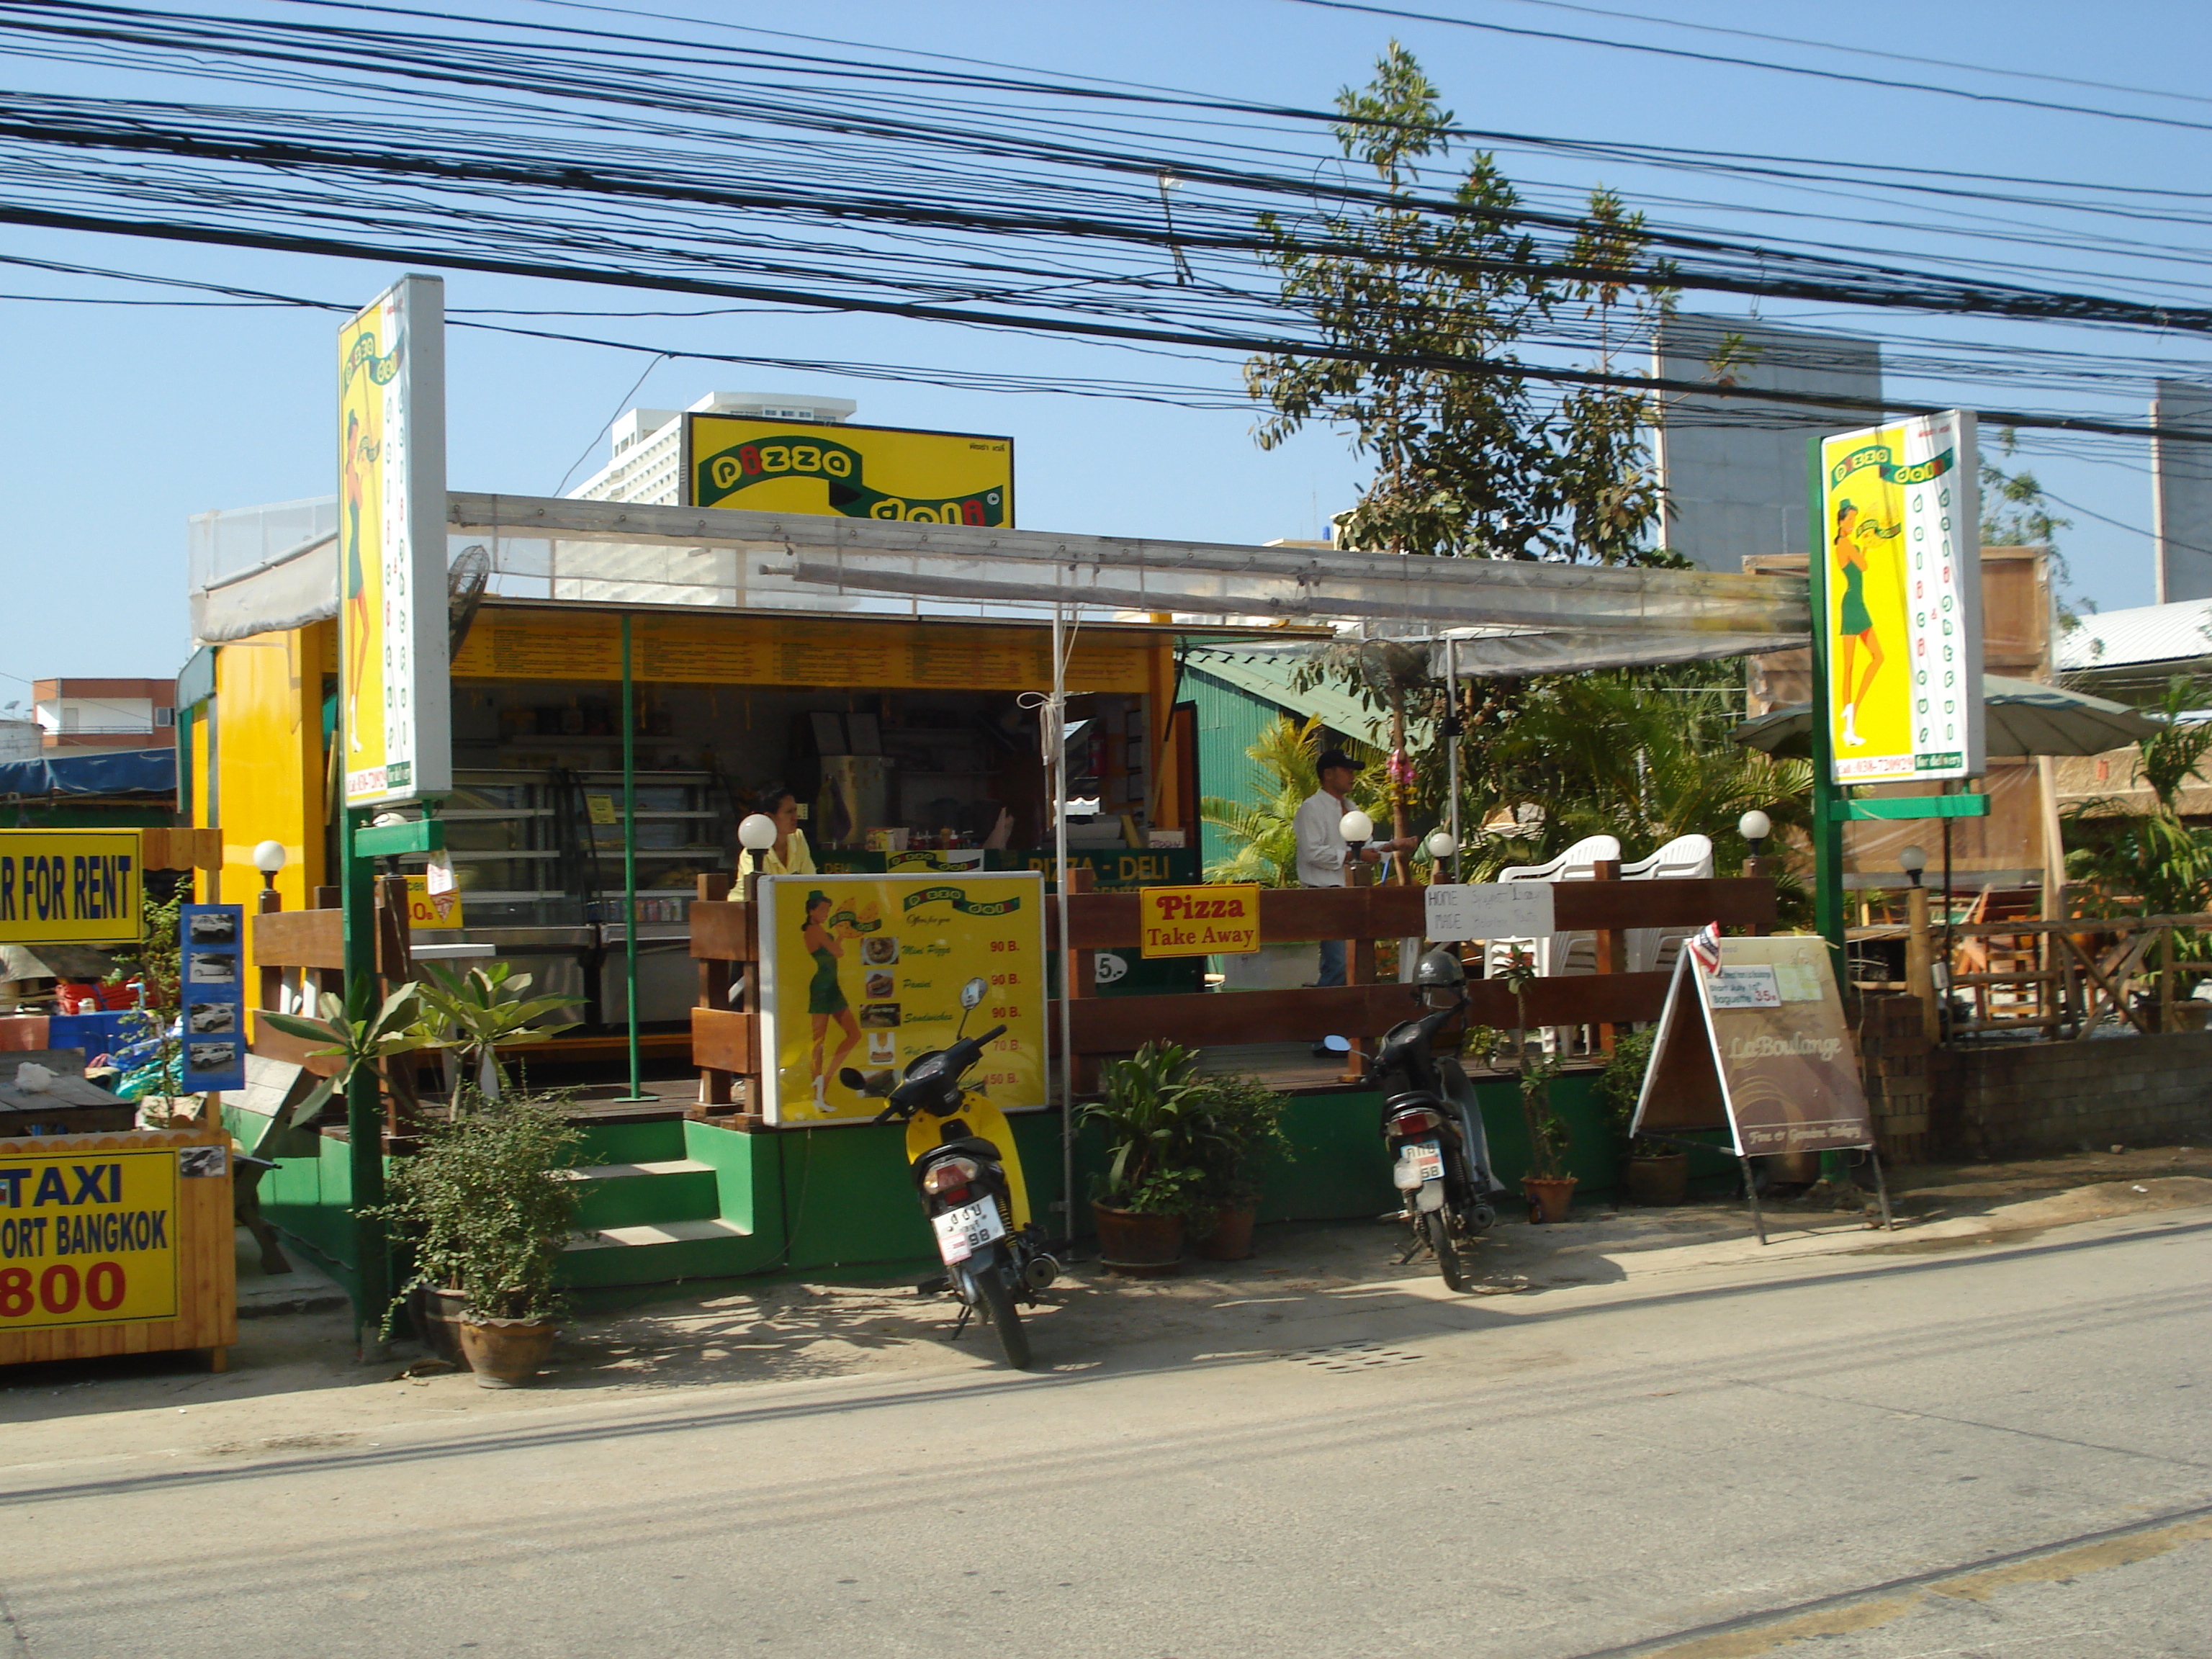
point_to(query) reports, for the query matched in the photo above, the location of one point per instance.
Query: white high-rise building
(648, 443)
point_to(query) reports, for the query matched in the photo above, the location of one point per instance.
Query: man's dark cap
(1334, 757)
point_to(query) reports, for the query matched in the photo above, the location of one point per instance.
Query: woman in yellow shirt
(790, 855)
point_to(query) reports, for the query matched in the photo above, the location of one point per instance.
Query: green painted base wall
(840, 1202)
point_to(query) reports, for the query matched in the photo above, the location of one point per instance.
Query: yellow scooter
(969, 1176)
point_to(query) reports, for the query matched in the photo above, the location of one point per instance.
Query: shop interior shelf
(470, 855)
(492, 814)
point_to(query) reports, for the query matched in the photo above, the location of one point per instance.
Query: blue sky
(119, 422)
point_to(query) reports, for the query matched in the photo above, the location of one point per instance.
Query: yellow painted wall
(269, 751)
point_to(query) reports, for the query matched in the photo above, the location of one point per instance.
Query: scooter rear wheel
(1437, 1223)
(999, 1309)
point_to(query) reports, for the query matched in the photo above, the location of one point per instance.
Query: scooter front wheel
(997, 1299)
(1438, 1223)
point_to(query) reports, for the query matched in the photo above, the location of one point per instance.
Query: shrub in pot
(1161, 1142)
(1548, 1187)
(487, 1210)
(1656, 1172)
(1247, 1122)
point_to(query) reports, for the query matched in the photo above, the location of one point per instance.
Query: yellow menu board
(754, 650)
(866, 971)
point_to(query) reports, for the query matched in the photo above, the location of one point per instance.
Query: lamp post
(756, 834)
(1919, 956)
(1755, 827)
(268, 859)
(1357, 829)
(1441, 845)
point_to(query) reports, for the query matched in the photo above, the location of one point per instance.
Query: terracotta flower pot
(1660, 1178)
(506, 1354)
(1230, 1237)
(1138, 1246)
(1549, 1199)
(436, 1315)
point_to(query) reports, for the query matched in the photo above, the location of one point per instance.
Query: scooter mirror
(973, 993)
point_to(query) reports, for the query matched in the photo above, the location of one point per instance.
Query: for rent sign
(88, 1238)
(70, 886)
(1216, 919)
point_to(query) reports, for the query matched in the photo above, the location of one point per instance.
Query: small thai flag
(1705, 947)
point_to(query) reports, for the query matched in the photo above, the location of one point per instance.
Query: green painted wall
(1229, 721)
(839, 1202)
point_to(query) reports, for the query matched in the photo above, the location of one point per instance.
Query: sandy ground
(296, 1360)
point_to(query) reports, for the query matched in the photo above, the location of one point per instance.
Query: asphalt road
(1984, 1451)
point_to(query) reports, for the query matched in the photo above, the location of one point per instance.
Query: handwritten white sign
(1513, 909)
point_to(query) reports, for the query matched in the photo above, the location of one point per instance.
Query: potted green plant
(1656, 1173)
(484, 1011)
(486, 1207)
(1247, 1127)
(1549, 1189)
(1160, 1144)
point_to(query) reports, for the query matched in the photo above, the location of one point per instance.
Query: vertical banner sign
(1901, 532)
(90, 1238)
(865, 971)
(395, 709)
(212, 941)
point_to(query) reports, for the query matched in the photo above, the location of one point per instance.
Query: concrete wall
(1734, 469)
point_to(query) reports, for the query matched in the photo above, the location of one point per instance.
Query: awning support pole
(1055, 721)
(629, 859)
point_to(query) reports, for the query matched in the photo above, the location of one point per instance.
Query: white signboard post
(1469, 911)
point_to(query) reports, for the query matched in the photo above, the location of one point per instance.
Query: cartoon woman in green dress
(1855, 622)
(825, 997)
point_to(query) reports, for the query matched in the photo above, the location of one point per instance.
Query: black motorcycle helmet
(1439, 969)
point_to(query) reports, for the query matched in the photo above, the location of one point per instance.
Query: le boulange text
(1760, 1047)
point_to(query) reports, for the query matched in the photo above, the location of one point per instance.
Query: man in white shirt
(1323, 849)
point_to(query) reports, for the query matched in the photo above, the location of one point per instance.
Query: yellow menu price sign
(865, 971)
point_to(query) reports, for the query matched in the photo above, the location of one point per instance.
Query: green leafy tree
(1435, 293)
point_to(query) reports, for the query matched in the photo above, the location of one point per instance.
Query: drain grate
(1352, 1356)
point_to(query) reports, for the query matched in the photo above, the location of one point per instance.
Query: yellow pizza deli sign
(70, 887)
(1221, 919)
(88, 1238)
(848, 472)
(866, 971)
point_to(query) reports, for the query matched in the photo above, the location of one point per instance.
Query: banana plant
(359, 1034)
(485, 1011)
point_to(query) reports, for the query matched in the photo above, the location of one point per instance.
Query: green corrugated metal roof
(1268, 677)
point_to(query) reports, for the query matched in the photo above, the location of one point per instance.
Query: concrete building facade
(1733, 468)
(105, 714)
(647, 444)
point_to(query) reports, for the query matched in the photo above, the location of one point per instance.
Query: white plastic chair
(1572, 953)
(1685, 856)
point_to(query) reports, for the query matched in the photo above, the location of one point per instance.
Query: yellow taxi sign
(1215, 919)
(70, 887)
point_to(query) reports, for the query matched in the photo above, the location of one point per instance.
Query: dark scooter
(1440, 1157)
(972, 1192)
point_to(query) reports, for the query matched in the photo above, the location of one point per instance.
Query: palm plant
(361, 1034)
(1264, 833)
(484, 1010)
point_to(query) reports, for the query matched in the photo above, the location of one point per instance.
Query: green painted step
(659, 1189)
(655, 1253)
(644, 1140)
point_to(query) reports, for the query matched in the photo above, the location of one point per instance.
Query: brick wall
(1893, 1064)
(2011, 1100)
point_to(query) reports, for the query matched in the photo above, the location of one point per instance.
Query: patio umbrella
(2023, 719)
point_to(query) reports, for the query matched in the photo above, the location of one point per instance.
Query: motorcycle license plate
(1424, 1159)
(962, 1232)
